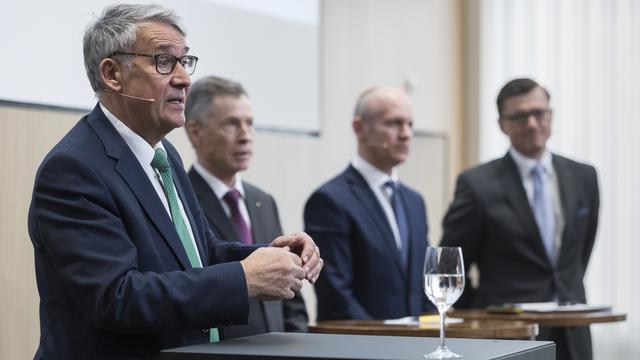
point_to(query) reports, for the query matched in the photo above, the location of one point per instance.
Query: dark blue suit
(362, 276)
(113, 277)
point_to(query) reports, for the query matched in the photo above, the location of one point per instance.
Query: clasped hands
(275, 272)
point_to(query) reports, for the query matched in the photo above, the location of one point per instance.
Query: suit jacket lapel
(568, 198)
(413, 217)
(372, 208)
(253, 208)
(212, 207)
(128, 167)
(517, 198)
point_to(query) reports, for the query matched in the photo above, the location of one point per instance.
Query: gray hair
(115, 30)
(204, 91)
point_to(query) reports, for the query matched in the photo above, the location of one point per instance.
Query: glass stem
(443, 315)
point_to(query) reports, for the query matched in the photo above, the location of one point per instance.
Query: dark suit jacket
(362, 276)
(491, 219)
(113, 277)
(264, 316)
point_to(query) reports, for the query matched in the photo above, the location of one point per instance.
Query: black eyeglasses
(165, 63)
(522, 118)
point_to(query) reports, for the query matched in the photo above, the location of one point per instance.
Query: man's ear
(111, 74)
(357, 126)
(503, 125)
(194, 130)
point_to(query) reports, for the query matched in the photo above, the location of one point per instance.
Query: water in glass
(443, 285)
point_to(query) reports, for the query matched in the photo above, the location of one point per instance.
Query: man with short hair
(527, 220)
(371, 227)
(219, 123)
(126, 264)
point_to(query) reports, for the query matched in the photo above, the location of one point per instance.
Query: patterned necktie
(543, 211)
(161, 164)
(232, 198)
(401, 220)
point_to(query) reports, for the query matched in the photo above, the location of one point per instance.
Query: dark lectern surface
(331, 346)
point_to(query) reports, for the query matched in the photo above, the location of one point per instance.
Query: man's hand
(272, 273)
(302, 245)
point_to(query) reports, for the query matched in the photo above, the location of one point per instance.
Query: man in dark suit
(125, 262)
(528, 220)
(372, 228)
(219, 123)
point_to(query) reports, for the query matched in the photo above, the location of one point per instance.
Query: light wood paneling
(26, 137)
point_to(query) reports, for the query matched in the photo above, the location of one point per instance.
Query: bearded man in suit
(219, 123)
(527, 220)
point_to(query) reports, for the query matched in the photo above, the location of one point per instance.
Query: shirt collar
(217, 185)
(526, 164)
(140, 148)
(372, 175)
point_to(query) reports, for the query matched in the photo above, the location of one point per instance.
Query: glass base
(442, 352)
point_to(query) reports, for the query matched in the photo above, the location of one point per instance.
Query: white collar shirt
(376, 180)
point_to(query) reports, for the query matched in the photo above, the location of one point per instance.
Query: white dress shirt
(376, 180)
(525, 165)
(145, 153)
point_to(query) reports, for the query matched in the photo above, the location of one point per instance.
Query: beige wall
(363, 43)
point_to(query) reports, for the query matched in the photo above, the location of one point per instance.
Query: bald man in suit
(220, 126)
(372, 228)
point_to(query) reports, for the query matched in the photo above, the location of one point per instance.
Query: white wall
(260, 43)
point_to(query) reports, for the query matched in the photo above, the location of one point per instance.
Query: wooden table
(477, 329)
(545, 319)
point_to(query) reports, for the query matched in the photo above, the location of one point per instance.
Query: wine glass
(443, 284)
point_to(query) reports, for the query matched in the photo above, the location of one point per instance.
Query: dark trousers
(572, 343)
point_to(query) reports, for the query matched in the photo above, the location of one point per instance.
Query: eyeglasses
(165, 63)
(522, 118)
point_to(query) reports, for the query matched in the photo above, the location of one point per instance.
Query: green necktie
(161, 164)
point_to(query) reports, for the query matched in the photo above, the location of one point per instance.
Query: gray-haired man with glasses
(527, 220)
(125, 262)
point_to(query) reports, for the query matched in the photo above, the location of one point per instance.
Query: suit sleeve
(463, 227)
(328, 224)
(222, 251)
(593, 220)
(294, 311)
(79, 230)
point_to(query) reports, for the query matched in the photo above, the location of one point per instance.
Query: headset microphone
(136, 97)
(130, 96)
(381, 144)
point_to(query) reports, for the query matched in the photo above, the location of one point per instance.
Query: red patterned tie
(232, 198)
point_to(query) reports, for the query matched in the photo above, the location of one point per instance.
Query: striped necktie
(161, 164)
